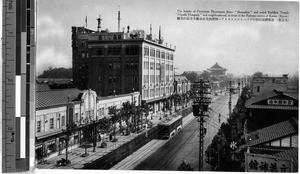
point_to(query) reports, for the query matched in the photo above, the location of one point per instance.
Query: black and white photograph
(136, 85)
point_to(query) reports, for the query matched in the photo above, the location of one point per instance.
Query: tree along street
(185, 145)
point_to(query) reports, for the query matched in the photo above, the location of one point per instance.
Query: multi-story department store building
(113, 63)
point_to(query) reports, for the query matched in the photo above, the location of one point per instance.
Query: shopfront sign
(266, 163)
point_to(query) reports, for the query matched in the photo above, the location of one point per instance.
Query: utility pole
(230, 92)
(200, 106)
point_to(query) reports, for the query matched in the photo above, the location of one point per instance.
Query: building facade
(55, 108)
(182, 84)
(217, 70)
(271, 107)
(113, 63)
(261, 84)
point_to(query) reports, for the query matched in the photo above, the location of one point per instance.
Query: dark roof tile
(273, 132)
(290, 154)
(55, 97)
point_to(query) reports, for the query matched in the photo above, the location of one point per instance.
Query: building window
(146, 65)
(101, 113)
(38, 126)
(157, 92)
(83, 55)
(171, 56)
(171, 67)
(109, 79)
(157, 53)
(162, 55)
(152, 78)
(116, 65)
(146, 79)
(157, 66)
(151, 65)
(115, 79)
(135, 65)
(151, 92)
(146, 51)
(167, 67)
(114, 51)
(127, 65)
(152, 52)
(63, 121)
(132, 50)
(51, 123)
(258, 88)
(76, 117)
(110, 66)
(168, 57)
(157, 78)
(145, 93)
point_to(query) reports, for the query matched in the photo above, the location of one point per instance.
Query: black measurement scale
(18, 80)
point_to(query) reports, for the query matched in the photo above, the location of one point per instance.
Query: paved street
(185, 145)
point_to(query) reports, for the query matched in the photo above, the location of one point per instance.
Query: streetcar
(170, 128)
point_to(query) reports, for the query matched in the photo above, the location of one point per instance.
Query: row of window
(117, 65)
(113, 79)
(158, 78)
(157, 92)
(110, 37)
(132, 79)
(114, 65)
(146, 66)
(159, 54)
(113, 51)
(51, 123)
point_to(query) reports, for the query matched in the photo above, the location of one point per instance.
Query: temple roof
(217, 67)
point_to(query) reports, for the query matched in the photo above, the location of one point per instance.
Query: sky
(242, 47)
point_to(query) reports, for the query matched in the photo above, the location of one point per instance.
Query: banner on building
(162, 72)
(266, 163)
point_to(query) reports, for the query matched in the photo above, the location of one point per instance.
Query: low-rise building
(262, 84)
(56, 108)
(271, 107)
(181, 84)
(278, 141)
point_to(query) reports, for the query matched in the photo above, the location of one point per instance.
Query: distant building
(181, 84)
(261, 84)
(271, 107)
(55, 108)
(217, 70)
(113, 63)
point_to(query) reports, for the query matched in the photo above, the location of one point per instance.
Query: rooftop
(56, 97)
(180, 78)
(216, 67)
(270, 94)
(129, 35)
(273, 132)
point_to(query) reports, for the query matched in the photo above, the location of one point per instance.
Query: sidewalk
(74, 155)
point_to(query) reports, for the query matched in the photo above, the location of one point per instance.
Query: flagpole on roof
(86, 16)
